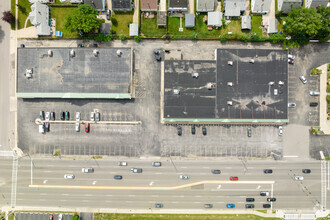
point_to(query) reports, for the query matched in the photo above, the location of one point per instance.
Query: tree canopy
(8, 17)
(82, 19)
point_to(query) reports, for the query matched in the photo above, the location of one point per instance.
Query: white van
(42, 128)
(313, 93)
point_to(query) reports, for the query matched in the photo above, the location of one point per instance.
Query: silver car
(314, 93)
(87, 170)
(47, 116)
(303, 79)
(77, 127)
(184, 177)
(77, 116)
(68, 176)
(292, 105)
(156, 164)
(92, 116)
(299, 178)
(97, 116)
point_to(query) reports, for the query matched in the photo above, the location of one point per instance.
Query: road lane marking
(45, 181)
(154, 196)
(151, 183)
(219, 186)
(150, 188)
(94, 182)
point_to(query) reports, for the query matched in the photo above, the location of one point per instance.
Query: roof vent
(50, 53)
(72, 53)
(230, 63)
(251, 60)
(28, 73)
(281, 83)
(119, 53)
(195, 75)
(176, 92)
(210, 86)
(229, 102)
(271, 83)
(230, 84)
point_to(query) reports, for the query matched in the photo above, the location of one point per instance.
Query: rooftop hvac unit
(229, 84)
(176, 92)
(119, 53)
(210, 86)
(230, 63)
(72, 53)
(281, 83)
(195, 75)
(251, 60)
(28, 73)
(50, 53)
(271, 83)
(95, 52)
(229, 102)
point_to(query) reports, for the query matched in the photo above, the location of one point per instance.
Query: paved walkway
(247, 9)
(136, 12)
(324, 123)
(218, 7)
(191, 7)
(162, 5)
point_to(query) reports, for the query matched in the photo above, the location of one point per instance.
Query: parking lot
(152, 138)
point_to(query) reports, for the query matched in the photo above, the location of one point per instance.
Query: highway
(290, 194)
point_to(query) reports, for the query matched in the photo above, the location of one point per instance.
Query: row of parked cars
(65, 116)
(193, 130)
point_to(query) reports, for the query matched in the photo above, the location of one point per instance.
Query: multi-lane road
(43, 184)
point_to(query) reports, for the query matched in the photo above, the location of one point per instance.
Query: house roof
(76, 1)
(40, 1)
(39, 17)
(161, 18)
(214, 19)
(133, 30)
(260, 6)
(205, 5)
(272, 26)
(105, 28)
(96, 4)
(121, 4)
(178, 3)
(233, 8)
(189, 20)
(149, 5)
(287, 5)
(246, 22)
(316, 3)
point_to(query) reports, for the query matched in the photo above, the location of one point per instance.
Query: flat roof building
(189, 20)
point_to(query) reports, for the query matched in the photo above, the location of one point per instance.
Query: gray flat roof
(82, 76)
(251, 94)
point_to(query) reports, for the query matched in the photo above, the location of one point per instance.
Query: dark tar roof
(121, 4)
(251, 93)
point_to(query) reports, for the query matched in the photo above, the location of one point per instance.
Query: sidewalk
(324, 123)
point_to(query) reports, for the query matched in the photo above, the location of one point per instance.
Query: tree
(82, 19)
(324, 32)
(303, 24)
(8, 17)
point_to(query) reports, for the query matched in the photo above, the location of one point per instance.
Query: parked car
(303, 79)
(271, 199)
(52, 116)
(249, 132)
(250, 199)
(159, 206)
(313, 104)
(87, 170)
(86, 127)
(290, 61)
(249, 206)
(92, 116)
(60, 216)
(280, 130)
(47, 116)
(122, 163)
(299, 178)
(68, 176)
(275, 91)
(314, 93)
(306, 171)
(292, 105)
(216, 171)
(108, 14)
(62, 116)
(77, 127)
(67, 116)
(47, 127)
(179, 130)
(266, 206)
(42, 115)
(291, 56)
(77, 116)
(50, 217)
(204, 130)
(193, 129)
(267, 171)
(136, 170)
(184, 177)
(233, 178)
(264, 193)
(97, 116)
(118, 177)
(230, 206)
(156, 164)
(208, 206)
(42, 128)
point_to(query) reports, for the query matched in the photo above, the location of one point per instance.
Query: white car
(122, 163)
(184, 177)
(47, 116)
(77, 116)
(291, 56)
(303, 79)
(280, 131)
(314, 93)
(299, 178)
(92, 116)
(77, 127)
(87, 170)
(292, 105)
(68, 176)
(60, 216)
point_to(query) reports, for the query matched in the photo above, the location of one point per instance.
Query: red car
(50, 217)
(87, 127)
(233, 178)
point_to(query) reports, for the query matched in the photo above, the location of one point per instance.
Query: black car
(204, 130)
(249, 206)
(159, 206)
(117, 177)
(250, 199)
(271, 199)
(47, 127)
(266, 206)
(52, 116)
(208, 206)
(306, 171)
(62, 116)
(268, 171)
(193, 129)
(179, 130)
(216, 171)
(42, 115)
(313, 104)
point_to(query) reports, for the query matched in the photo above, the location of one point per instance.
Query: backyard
(255, 24)
(24, 8)
(149, 27)
(173, 29)
(59, 13)
(123, 20)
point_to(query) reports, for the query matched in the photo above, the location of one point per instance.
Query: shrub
(57, 153)
(112, 31)
(276, 38)
(328, 88)
(103, 37)
(114, 21)
(316, 71)
(223, 38)
(8, 17)
(137, 38)
(223, 20)
(129, 22)
(122, 37)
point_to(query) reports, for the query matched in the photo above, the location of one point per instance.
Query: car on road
(42, 115)
(266, 206)
(204, 130)
(292, 105)
(156, 164)
(303, 79)
(87, 170)
(122, 163)
(306, 171)
(92, 116)
(77, 127)
(179, 130)
(249, 132)
(68, 176)
(280, 130)
(267, 171)
(50, 217)
(47, 116)
(67, 116)
(86, 127)
(233, 178)
(299, 178)
(136, 170)
(249, 206)
(208, 206)
(271, 199)
(193, 129)
(77, 116)
(118, 177)
(314, 93)
(159, 205)
(184, 177)
(52, 116)
(47, 125)
(216, 171)
(250, 199)
(62, 116)
(108, 15)
(230, 206)
(313, 104)
(264, 193)
(97, 116)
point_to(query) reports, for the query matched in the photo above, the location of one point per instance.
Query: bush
(75, 217)
(223, 20)
(316, 71)
(129, 22)
(137, 38)
(276, 38)
(112, 31)
(114, 21)
(122, 37)
(328, 88)
(103, 37)
(223, 38)
(57, 153)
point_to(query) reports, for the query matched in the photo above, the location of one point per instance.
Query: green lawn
(60, 13)
(13, 11)
(255, 24)
(173, 29)
(201, 29)
(149, 27)
(108, 216)
(235, 27)
(23, 12)
(123, 23)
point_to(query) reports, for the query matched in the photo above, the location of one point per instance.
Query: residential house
(149, 5)
(234, 8)
(189, 20)
(260, 6)
(39, 17)
(214, 19)
(316, 3)
(272, 26)
(133, 30)
(121, 5)
(246, 22)
(98, 5)
(286, 5)
(206, 5)
(178, 5)
(105, 28)
(161, 18)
